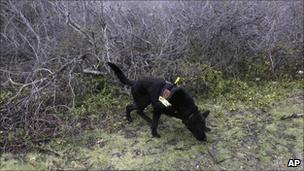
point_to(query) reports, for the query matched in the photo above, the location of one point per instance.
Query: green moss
(31, 161)
(5, 95)
(240, 95)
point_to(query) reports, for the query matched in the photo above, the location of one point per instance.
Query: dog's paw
(130, 120)
(203, 139)
(156, 135)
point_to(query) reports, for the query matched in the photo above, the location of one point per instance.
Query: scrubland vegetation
(62, 108)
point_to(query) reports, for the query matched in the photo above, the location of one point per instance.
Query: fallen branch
(215, 161)
(294, 115)
(93, 72)
(47, 151)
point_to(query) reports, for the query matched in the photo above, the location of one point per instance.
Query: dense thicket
(49, 47)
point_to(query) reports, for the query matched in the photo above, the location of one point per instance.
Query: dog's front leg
(155, 119)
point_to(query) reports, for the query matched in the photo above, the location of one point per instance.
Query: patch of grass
(101, 102)
(240, 95)
(252, 137)
(30, 161)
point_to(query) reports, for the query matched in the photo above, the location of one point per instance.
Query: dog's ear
(206, 113)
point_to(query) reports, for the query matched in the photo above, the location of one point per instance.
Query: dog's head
(196, 123)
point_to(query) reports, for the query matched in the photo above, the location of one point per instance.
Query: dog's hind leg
(140, 112)
(129, 109)
(144, 116)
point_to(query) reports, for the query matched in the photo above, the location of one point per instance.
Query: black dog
(147, 91)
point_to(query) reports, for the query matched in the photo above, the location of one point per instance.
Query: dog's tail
(121, 76)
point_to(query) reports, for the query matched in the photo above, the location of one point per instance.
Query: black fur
(147, 91)
(123, 79)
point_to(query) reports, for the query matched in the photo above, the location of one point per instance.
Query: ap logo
(294, 163)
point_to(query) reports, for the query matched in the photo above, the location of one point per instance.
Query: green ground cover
(247, 133)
